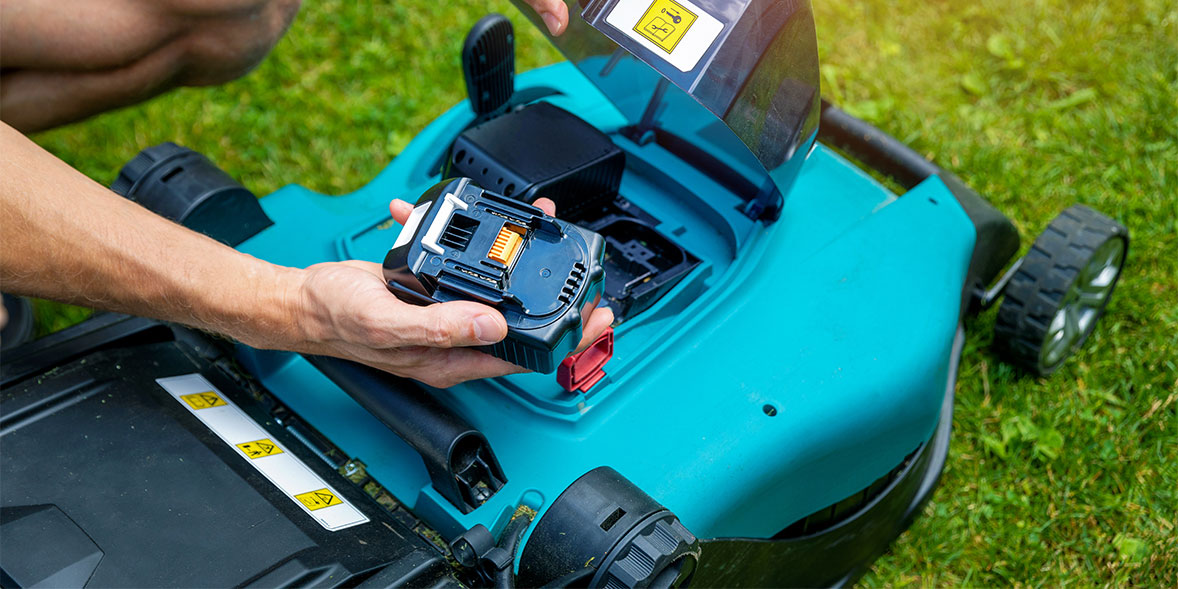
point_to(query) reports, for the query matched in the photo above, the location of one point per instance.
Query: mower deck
(685, 408)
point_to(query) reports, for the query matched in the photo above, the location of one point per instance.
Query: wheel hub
(1083, 302)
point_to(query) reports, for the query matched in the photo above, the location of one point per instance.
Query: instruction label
(677, 31)
(286, 471)
(665, 23)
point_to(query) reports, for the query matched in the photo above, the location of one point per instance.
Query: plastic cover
(749, 66)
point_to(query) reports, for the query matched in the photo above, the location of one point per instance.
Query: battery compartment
(542, 150)
(641, 264)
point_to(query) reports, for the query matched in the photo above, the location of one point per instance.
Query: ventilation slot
(457, 235)
(572, 284)
(613, 518)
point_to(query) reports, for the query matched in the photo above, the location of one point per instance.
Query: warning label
(203, 400)
(665, 23)
(260, 448)
(281, 466)
(318, 499)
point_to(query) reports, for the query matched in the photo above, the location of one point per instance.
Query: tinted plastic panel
(751, 63)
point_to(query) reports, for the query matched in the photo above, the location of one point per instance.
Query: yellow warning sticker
(313, 500)
(282, 467)
(203, 400)
(665, 23)
(260, 448)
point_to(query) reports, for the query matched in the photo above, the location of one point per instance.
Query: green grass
(1070, 480)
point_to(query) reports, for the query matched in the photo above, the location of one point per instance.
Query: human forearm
(62, 236)
(65, 237)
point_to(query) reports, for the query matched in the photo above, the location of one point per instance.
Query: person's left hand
(554, 13)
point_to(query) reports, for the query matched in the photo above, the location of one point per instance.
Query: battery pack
(542, 150)
(464, 243)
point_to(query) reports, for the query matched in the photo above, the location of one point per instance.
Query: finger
(545, 205)
(450, 325)
(400, 210)
(595, 325)
(554, 13)
(444, 368)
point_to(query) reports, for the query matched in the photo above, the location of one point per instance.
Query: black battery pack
(541, 150)
(466, 243)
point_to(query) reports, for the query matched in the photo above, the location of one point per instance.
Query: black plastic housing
(107, 481)
(605, 528)
(541, 150)
(442, 255)
(641, 264)
(184, 186)
(488, 65)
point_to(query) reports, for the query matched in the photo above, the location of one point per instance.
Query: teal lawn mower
(771, 407)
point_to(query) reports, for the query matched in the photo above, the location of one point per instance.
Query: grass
(1065, 481)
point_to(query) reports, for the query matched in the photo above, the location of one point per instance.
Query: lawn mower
(772, 406)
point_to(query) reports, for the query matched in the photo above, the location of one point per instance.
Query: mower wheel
(1055, 298)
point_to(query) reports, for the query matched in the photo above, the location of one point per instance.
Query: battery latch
(580, 372)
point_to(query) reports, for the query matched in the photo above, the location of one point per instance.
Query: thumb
(454, 324)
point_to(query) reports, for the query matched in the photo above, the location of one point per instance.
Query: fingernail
(551, 21)
(486, 329)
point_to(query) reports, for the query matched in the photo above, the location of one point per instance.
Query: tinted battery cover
(737, 78)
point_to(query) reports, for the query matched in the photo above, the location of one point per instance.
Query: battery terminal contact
(507, 245)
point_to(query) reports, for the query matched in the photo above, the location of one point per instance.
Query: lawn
(1068, 480)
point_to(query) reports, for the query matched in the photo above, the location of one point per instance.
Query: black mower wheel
(1055, 298)
(21, 322)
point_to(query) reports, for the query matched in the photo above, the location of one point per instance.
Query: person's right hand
(554, 13)
(346, 311)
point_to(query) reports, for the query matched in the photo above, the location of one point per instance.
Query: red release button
(580, 372)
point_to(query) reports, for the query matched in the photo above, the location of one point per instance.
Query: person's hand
(554, 13)
(351, 314)
(142, 264)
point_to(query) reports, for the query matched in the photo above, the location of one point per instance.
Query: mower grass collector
(771, 408)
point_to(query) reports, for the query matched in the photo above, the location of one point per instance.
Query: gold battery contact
(507, 245)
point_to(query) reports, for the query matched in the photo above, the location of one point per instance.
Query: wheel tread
(1051, 265)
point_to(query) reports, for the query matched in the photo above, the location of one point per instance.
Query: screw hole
(458, 156)
(510, 189)
(932, 200)
(769, 410)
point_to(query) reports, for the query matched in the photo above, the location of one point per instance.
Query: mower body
(838, 319)
(788, 395)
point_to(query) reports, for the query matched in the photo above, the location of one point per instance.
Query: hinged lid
(750, 68)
